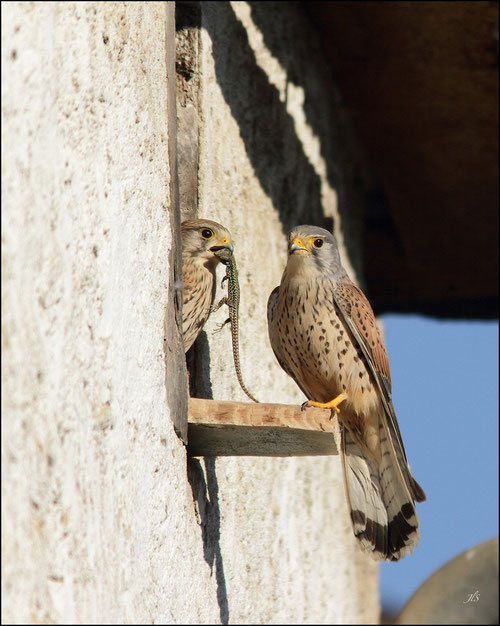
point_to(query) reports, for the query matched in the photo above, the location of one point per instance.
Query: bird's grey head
(314, 249)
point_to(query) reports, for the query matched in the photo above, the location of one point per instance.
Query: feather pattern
(324, 334)
(200, 239)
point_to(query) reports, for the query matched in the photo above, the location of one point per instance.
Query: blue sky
(445, 392)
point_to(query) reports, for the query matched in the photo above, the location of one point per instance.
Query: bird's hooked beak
(223, 250)
(296, 246)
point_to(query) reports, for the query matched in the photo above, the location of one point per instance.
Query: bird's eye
(317, 243)
(207, 233)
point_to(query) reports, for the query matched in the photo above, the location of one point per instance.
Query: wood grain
(221, 428)
(173, 345)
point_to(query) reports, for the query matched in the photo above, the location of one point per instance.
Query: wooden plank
(219, 428)
(175, 362)
(187, 45)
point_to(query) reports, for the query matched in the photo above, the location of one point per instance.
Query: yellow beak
(297, 247)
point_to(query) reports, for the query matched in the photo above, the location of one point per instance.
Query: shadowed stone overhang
(420, 81)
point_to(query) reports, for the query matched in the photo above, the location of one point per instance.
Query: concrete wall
(104, 517)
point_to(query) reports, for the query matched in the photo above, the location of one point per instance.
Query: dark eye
(317, 243)
(206, 233)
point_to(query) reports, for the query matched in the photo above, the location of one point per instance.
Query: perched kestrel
(324, 335)
(200, 240)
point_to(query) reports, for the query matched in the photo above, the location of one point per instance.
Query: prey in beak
(223, 251)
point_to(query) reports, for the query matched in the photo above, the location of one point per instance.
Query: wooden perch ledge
(217, 428)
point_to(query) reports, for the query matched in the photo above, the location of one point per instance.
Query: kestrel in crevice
(201, 239)
(324, 334)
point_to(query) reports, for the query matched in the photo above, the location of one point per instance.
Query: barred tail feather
(382, 511)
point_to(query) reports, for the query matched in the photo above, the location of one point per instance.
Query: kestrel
(200, 240)
(324, 334)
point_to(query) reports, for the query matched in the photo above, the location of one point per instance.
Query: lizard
(233, 302)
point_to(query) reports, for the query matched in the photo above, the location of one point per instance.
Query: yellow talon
(333, 404)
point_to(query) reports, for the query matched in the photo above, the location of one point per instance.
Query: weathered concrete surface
(98, 519)
(103, 517)
(262, 170)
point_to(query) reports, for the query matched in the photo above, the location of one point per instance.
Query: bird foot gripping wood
(333, 404)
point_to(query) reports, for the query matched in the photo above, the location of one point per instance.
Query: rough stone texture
(103, 517)
(98, 521)
(261, 170)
